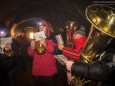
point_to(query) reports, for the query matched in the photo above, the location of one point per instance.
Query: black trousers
(6, 78)
(43, 80)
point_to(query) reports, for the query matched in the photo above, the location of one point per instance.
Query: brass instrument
(102, 31)
(40, 48)
(9, 53)
(71, 26)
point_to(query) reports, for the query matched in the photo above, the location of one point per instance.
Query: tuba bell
(102, 19)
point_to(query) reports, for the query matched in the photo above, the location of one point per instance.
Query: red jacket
(75, 53)
(45, 64)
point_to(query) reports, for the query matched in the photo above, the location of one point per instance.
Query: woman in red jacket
(44, 65)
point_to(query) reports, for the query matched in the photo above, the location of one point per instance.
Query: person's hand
(60, 46)
(68, 65)
(42, 41)
(69, 76)
(8, 46)
(33, 44)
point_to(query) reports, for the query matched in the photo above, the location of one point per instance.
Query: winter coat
(74, 53)
(44, 64)
(102, 70)
(9, 63)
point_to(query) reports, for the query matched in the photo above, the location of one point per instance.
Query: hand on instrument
(42, 41)
(60, 46)
(68, 65)
(8, 46)
(33, 44)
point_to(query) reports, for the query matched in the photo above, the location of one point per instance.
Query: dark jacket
(23, 44)
(102, 70)
(9, 63)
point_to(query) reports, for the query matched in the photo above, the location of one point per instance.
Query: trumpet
(40, 48)
(9, 52)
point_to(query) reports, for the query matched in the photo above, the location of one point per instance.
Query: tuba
(101, 33)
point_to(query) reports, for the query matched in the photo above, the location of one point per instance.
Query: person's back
(23, 43)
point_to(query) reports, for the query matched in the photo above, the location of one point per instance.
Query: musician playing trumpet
(44, 64)
(8, 62)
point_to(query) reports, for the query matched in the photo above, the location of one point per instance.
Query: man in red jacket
(79, 41)
(79, 37)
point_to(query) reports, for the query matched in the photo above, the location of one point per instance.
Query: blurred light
(40, 24)
(2, 34)
(31, 35)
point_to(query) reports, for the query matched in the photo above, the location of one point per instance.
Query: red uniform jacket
(75, 53)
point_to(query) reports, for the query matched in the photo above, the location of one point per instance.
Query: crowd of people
(44, 66)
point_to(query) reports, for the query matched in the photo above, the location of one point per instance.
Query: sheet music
(59, 39)
(60, 58)
(39, 35)
(4, 41)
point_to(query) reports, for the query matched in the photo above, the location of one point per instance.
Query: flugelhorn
(102, 19)
(40, 48)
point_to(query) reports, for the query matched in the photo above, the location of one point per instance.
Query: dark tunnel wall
(56, 12)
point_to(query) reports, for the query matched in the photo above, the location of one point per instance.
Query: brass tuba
(102, 32)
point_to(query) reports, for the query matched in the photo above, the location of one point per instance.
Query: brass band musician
(75, 41)
(8, 62)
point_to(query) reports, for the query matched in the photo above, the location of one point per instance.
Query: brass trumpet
(9, 52)
(40, 48)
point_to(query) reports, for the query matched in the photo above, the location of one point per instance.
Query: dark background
(56, 12)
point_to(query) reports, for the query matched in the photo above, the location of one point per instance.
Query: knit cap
(81, 30)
